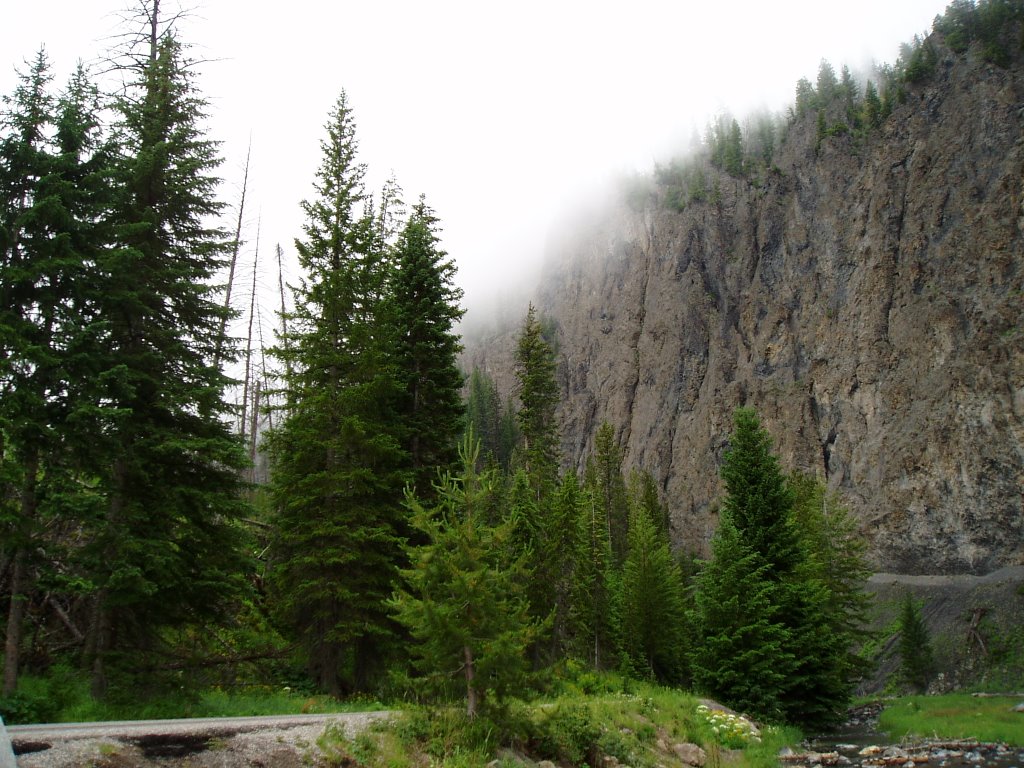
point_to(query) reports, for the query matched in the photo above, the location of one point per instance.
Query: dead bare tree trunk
(254, 428)
(221, 336)
(248, 338)
(154, 24)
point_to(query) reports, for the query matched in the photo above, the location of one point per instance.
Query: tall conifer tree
(463, 601)
(166, 549)
(538, 396)
(425, 308)
(337, 460)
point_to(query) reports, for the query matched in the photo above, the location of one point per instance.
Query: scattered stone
(6, 751)
(1019, 707)
(545, 764)
(690, 754)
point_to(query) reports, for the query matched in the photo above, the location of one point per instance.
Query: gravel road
(286, 741)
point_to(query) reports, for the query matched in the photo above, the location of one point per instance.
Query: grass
(638, 724)
(954, 716)
(64, 698)
(214, 703)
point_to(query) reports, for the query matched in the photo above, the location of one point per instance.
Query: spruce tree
(654, 610)
(740, 653)
(761, 555)
(917, 663)
(425, 309)
(166, 549)
(605, 480)
(538, 396)
(595, 604)
(338, 467)
(463, 599)
(56, 197)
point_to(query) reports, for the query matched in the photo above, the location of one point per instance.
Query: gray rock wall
(867, 298)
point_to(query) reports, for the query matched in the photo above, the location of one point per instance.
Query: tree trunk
(102, 632)
(19, 576)
(472, 694)
(15, 616)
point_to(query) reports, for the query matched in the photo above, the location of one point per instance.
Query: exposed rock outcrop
(866, 296)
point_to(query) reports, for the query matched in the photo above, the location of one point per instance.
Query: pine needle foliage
(463, 601)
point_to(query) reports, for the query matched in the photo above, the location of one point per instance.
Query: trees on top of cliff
(769, 634)
(989, 23)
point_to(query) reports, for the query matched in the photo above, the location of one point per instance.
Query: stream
(859, 743)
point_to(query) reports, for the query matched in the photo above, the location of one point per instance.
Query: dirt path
(278, 741)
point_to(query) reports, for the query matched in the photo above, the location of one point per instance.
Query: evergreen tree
(594, 604)
(166, 549)
(771, 562)
(56, 198)
(872, 107)
(463, 602)
(758, 501)
(654, 610)
(839, 553)
(26, 363)
(828, 85)
(483, 415)
(806, 98)
(740, 652)
(538, 396)
(606, 483)
(337, 462)
(556, 565)
(643, 494)
(917, 663)
(425, 311)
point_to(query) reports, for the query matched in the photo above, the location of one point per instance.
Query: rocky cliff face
(867, 297)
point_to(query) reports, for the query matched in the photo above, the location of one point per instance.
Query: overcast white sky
(501, 113)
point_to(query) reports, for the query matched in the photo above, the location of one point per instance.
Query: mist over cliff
(865, 293)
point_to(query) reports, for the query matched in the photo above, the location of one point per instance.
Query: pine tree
(595, 597)
(338, 467)
(917, 663)
(425, 310)
(740, 653)
(758, 501)
(642, 492)
(654, 610)
(166, 549)
(761, 556)
(605, 480)
(483, 415)
(538, 395)
(26, 363)
(872, 107)
(839, 553)
(463, 602)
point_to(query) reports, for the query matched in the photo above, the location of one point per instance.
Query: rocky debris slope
(866, 296)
